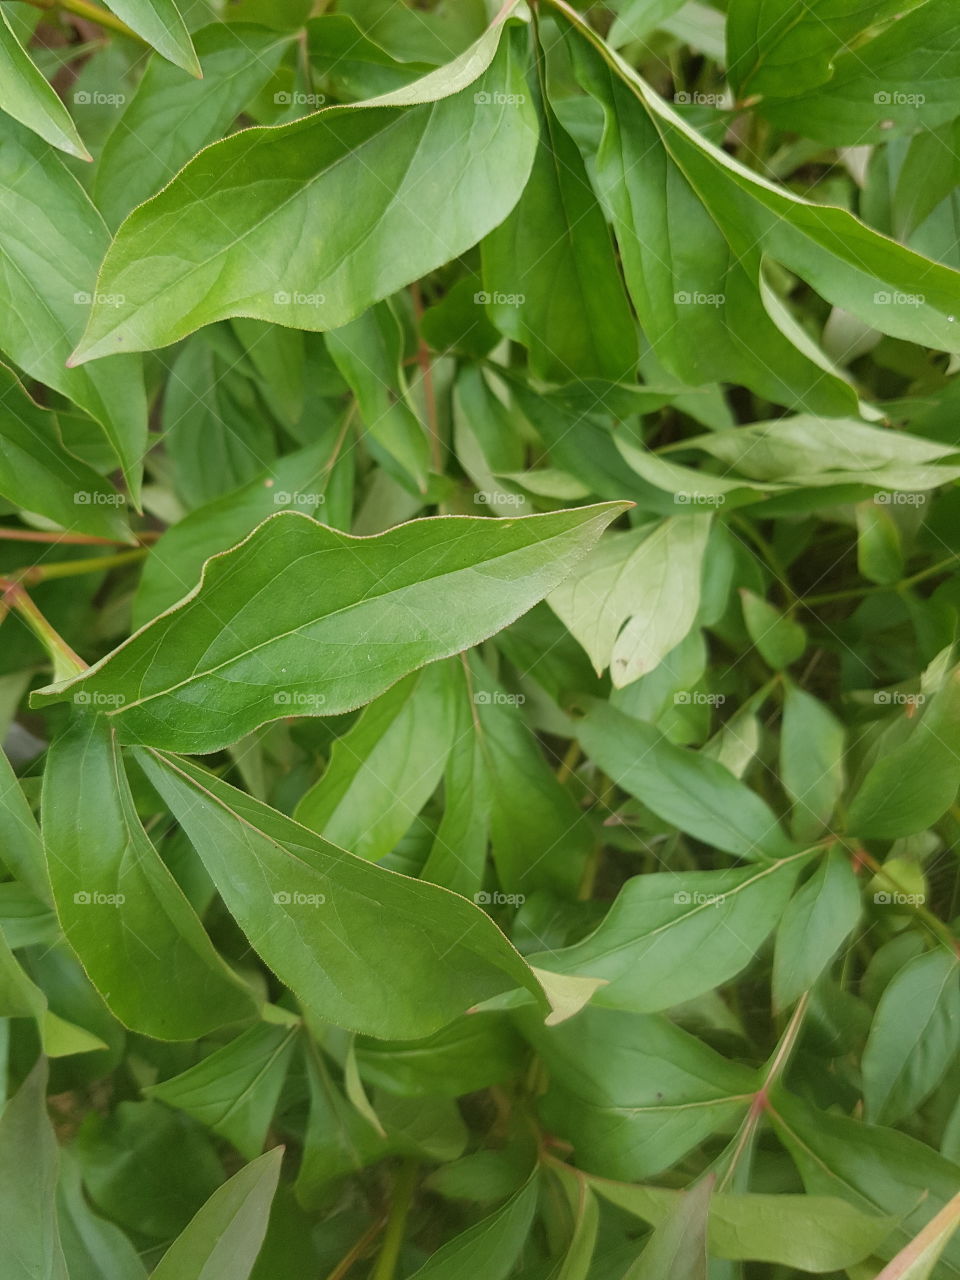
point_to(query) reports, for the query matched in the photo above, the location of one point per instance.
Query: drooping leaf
(121, 909)
(26, 95)
(550, 274)
(247, 639)
(324, 920)
(160, 24)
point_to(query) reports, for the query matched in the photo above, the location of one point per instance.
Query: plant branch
(92, 13)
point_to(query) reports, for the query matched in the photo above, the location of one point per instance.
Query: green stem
(403, 1188)
(73, 568)
(778, 1064)
(93, 13)
(66, 662)
(852, 592)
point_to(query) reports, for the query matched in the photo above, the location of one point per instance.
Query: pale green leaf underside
(426, 172)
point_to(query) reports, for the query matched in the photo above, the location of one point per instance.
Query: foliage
(479, 614)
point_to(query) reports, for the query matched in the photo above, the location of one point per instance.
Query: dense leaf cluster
(477, 666)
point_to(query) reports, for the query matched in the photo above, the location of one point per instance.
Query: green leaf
(918, 1259)
(634, 1093)
(783, 54)
(848, 264)
(684, 788)
(387, 765)
(810, 1233)
(324, 920)
(26, 95)
(30, 1246)
(38, 474)
(120, 908)
(235, 1089)
(878, 1170)
(169, 117)
(779, 639)
(636, 596)
(396, 161)
(865, 75)
(491, 1247)
(678, 1246)
(223, 1240)
(160, 24)
(338, 1140)
(808, 451)
(812, 747)
(176, 1164)
(815, 924)
(550, 274)
(51, 241)
(246, 640)
(669, 937)
(706, 308)
(369, 354)
(585, 1214)
(464, 1057)
(910, 786)
(879, 543)
(20, 997)
(914, 1038)
(303, 481)
(95, 1248)
(20, 842)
